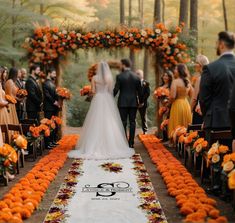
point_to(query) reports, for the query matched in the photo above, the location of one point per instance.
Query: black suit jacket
(145, 92)
(215, 90)
(129, 86)
(21, 85)
(50, 96)
(34, 98)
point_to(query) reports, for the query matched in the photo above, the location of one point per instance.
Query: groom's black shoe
(131, 145)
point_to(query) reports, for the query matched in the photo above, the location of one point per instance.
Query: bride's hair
(104, 75)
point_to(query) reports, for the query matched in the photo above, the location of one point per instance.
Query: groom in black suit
(216, 86)
(130, 97)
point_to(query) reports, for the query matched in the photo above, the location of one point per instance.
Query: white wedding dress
(103, 135)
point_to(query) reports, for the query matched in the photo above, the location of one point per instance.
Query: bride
(103, 135)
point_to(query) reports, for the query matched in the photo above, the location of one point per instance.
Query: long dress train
(103, 135)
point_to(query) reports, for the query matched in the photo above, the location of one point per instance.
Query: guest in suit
(34, 98)
(130, 97)
(50, 101)
(146, 93)
(11, 89)
(232, 114)
(201, 61)
(50, 104)
(20, 83)
(216, 85)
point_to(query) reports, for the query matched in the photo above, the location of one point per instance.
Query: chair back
(15, 128)
(29, 121)
(5, 133)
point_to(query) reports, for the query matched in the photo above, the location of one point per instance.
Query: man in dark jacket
(50, 100)
(130, 97)
(34, 98)
(216, 85)
(146, 93)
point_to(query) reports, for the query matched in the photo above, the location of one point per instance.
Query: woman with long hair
(166, 79)
(181, 89)
(11, 89)
(4, 115)
(201, 61)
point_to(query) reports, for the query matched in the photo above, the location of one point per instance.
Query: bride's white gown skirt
(103, 135)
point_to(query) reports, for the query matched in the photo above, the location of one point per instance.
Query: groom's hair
(228, 39)
(126, 62)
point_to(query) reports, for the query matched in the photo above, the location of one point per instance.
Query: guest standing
(216, 86)
(34, 98)
(11, 89)
(180, 113)
(201, 61)
(146, 93)
(4, 76)
(50, 100)
(4, 115)
(20, 83)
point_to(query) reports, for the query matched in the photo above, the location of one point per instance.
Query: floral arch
(48, 45)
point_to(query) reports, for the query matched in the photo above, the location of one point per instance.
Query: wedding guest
(50, 103)
(50, 100)
(201, 61)
(11, 89)
(34, 98)
(216, 85)
(232, 114)
(146, 93)
(4, 76)
(20, 83)
(166, 80)
(4, 115)
(181, 89)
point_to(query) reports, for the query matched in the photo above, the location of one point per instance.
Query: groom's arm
(117, 86)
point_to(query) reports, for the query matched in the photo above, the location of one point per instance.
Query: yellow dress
(4, 114)
(11, 89)
(180, 113)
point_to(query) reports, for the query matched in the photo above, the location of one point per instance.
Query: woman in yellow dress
(181, 89)
(4, 115)
(11, 89)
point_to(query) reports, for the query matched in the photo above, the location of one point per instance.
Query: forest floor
(168, 203)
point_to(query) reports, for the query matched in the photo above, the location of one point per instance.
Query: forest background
(18, 18)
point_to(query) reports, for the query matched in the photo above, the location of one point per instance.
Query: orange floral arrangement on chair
(188, 138)
(57, 120)
(10, 99)
(200, 145)
(86, 90)
(63, 92)
(25, 196)
(215, 152)
(177, 132)
(20, 141)
(228, 165)
(192, 200)
(164, 124)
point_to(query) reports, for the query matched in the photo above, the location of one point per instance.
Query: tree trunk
(183, 17)
(41, 8)
(163, 10)
(157, 12)
(130, 13)
(141, 12)
(122, 12)
(132, 52)
(194, 21)
(146, 64)
(225, 16)
(13, 31)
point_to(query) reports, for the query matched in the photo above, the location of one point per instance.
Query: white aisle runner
(103, 196)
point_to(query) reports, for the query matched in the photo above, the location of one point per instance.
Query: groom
(130, 97)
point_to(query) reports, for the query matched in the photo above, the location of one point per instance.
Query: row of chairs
(197, 164)
(34, 149)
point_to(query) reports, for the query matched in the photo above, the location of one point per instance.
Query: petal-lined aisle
(103, 191)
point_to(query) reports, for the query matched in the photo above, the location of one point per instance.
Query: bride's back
(100, 86)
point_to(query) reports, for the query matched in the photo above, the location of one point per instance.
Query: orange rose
(228, 166)
(231, 180)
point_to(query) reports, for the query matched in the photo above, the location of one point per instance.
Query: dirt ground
(168, 203)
